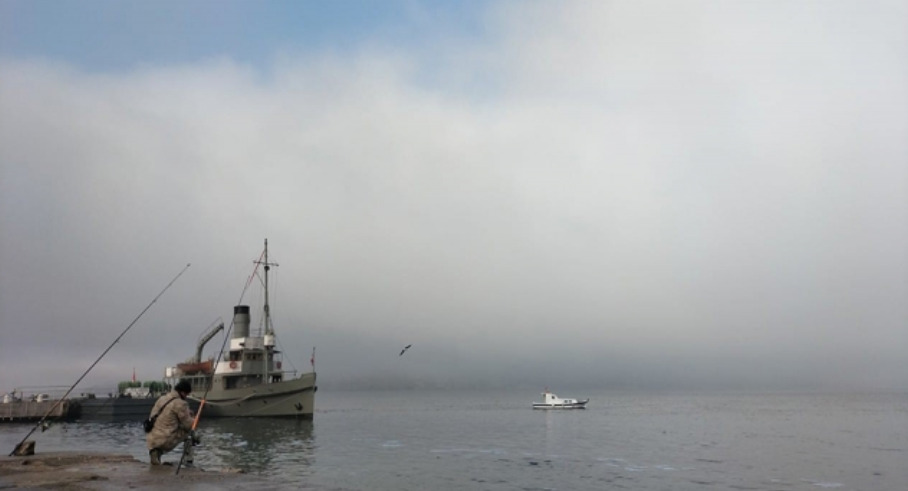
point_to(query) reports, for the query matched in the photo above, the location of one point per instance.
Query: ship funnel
(241, 321)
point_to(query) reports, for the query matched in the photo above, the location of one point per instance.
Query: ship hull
(116, 409)
(575, 405)
(286, 399)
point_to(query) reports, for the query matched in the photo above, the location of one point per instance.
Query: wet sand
(70, 471)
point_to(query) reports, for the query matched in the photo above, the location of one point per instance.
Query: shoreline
(99, 471)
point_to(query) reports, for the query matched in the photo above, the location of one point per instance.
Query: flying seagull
(404, 350)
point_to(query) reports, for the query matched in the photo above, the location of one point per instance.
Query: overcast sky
(571, 194)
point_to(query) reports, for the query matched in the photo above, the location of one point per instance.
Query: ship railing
(38, 392)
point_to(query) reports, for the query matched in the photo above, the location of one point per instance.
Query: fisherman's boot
(155, 455)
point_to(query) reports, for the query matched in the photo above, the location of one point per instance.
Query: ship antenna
(269, 327)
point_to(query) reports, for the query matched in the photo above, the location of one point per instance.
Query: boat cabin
(252, 360)
(551, 401)
(549, 398)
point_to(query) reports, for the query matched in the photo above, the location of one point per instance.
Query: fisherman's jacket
(173, 423)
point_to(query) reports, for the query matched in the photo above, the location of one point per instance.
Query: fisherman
(173, 423)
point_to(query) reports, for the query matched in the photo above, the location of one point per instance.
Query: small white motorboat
(551, 401)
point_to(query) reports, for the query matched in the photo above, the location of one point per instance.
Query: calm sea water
(417, 440)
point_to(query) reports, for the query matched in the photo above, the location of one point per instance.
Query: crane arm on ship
(207, 337)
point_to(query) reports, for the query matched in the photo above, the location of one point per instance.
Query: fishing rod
(60, 401)
(190, 438)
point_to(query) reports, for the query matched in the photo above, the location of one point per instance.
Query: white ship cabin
(252, 359)
(137, 392)
(549, 398)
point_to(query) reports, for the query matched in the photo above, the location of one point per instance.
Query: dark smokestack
(240, 321)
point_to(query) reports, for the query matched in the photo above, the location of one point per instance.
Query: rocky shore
(69, 471)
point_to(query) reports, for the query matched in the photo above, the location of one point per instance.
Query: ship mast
(269, 328)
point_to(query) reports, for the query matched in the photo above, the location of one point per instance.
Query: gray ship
(112, 409)
(248, 379)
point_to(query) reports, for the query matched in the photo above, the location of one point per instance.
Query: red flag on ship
(133, 374)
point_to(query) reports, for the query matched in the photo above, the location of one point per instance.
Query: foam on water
(825, 484)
